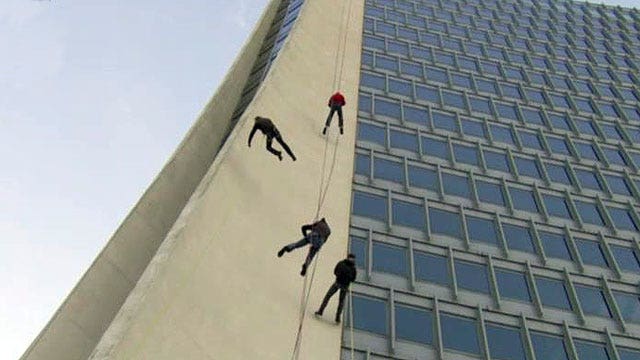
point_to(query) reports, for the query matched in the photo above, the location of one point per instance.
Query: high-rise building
(488, 182)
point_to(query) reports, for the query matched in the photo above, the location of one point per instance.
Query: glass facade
(497, 181)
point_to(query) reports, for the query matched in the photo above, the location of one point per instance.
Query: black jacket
(345, 272)
(265, 125)
(320, 227)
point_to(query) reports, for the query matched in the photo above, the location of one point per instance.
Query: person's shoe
(303, 272)
(341, 131)
(282, 251)
(337, 320)
(324, 131)
(318, 313)
(293, 157)
(280, 157)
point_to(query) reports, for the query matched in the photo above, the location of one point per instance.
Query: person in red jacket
(336, 102)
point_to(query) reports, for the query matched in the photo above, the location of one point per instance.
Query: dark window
(559, 121)
(400, 87)
(431, 268)
(459, 334)
(465, 154)
(504, 343)
(507, 111)
(588, 179)
(486, 85)
(370, 315)
(622, 219)
(362, 164)
(558, 174)
(591, 351)
(414, 324)
(389, 259)
(480, 105)
(548, 347)
(626, 258)
(592, 301)
(628, 354)
(387, 108)
(527, 167)
(444, 121)
(629, 305)
(511, 91)
(472, 277)
(445, 222)
(589, 212)
(437, 148)
(452, 99)
(512, 285)
(496, 161)
(501, 134)
(532, 116)
(461, 80)
(423, 178)
(617, 184)
(591, 252)
(556, 206)
(530, 140)
(428, 93)
(359, 249)
(373, 81)
(456, 185)
(372, 133)
(611, 131)
(535, 95)
(587, 151)
(402, 140)
(482, 230)
(388, 170)
(553, 293)
(585, 127)
(518, 237)
(370, 205)
(364, 103)
(436, 75)
(614, 156)
(523, 200)
(473, 128)
(558, 145)
(555, 245)
(490, 192)
(408, 214)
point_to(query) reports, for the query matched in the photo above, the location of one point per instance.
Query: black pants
(284, 145)
(335, 108)
(311, 239)
(332, 290)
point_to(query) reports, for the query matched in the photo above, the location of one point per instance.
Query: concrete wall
(215, 289)
(79, 323)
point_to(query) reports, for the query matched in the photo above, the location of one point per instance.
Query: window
(511, 91)
(530, 140)
(387, 108)
(549, 347)
(627, 354)
(490, 192)
(496, 161)
(364, 103)
(611, 131)
(527, 167)
(507, 111)
(556, 206)
(362, 164)
(518, 237)
(444, 121)
(372, 133)
(436, 75)
(626, 258)
(592, 301)
(559, 122)
(402, 140)
(629, 305)
(370, 315)
(369, 205)
(480, 105)
(587, 151)
(535, 95)
(437, 148)
(428, 93)
(452, 99)
(523, 200)
(555, 245)
(481, 230)
(465, 154)
(461, 80)
(591, 351)
(473, 128)
(532, 116)
(386, 63)
(504, 342)
(501, 134)
(588, 179)
(487, 85)
(445, 222)
(585, 127)
(373, 81)
(467, 63)
(400, 87)
(614, 156)
(459, 334)
(423, 178)
(617, 184)
(589, 213)
(558, 145)
(591, 252)
(456, 185)
(558, 174)
(472, 277)
(358, 248)
(512, 285)
(431, 268)
(552, 293)
(388, 170)
(414, 324)
(389, 259)
(622, 219)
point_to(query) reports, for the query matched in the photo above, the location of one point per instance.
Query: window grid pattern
(497, 180)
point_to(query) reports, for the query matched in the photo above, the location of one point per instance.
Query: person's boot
(282, 251)
(318, 313)
(303, 272)
(341, 130)
(337, 319)
(293, 157)
(324, 131)
(280, 156)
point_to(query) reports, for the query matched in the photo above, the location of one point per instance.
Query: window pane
(372, 133)
(387, 108)
(388, 170)
(473, 128)
(558, 145)
(431, 268)
(504, 343)
(552, 293)
(523, 200)
(617, 184)
(591, 252)
(401, 140)
(589, 212)
(408, 214)
(558, 174)
(496, 161)
(444, 121)
(423, 178)
(445, 222)
(587, 151)
(518, 238)
(622, 219)
(548, 347)
(437, 148)
(390, 259)
(456, 185)
(554, 245)
(358, 248)
(556, 206)
(501, 134)
(626, 258)
(370, 315)
(370, 205)
(459, 334)
(482, 230)
(588, 179)
(490, 192)
(626, 354)
(472, 277)
(527, 167)
(629, 305)
(414, 324)
(465, 154)
(591, 351)
(362, 164)
(512, 285)
(530, 140)
(592, 301)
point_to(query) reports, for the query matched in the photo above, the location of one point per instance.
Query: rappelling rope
(305, 302)
(351, 324)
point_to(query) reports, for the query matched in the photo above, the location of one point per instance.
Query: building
(490, 193)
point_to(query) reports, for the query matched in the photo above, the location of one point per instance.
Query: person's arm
(335, 269)
(304, 229)
(253, 131)
(354, 274)
(344, 101)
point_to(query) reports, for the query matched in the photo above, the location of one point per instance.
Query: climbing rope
(351, 324)
(303, 308)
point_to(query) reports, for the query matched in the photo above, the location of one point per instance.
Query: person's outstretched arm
(304, 229)
(253, 131)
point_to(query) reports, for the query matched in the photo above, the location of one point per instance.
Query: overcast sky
(94, 97)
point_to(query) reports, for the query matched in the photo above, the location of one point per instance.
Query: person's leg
(313, 250)
(340, 119)
(329, 117)
(294, 245)
(285, 147)
(271, 149)
(332, 290)
(343, 294)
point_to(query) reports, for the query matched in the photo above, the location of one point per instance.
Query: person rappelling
(268, 128)
(336, 102)
(345, 272)
(315, 235)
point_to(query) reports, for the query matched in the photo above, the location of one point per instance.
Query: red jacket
(337, 100)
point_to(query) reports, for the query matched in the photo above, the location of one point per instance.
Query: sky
(94, 97)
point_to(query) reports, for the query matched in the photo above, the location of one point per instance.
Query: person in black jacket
(267, 127)
(345, 272)
(315, 234)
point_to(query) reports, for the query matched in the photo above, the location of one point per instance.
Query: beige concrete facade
(215, 289)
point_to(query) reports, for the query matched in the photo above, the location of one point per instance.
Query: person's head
(351, 257)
